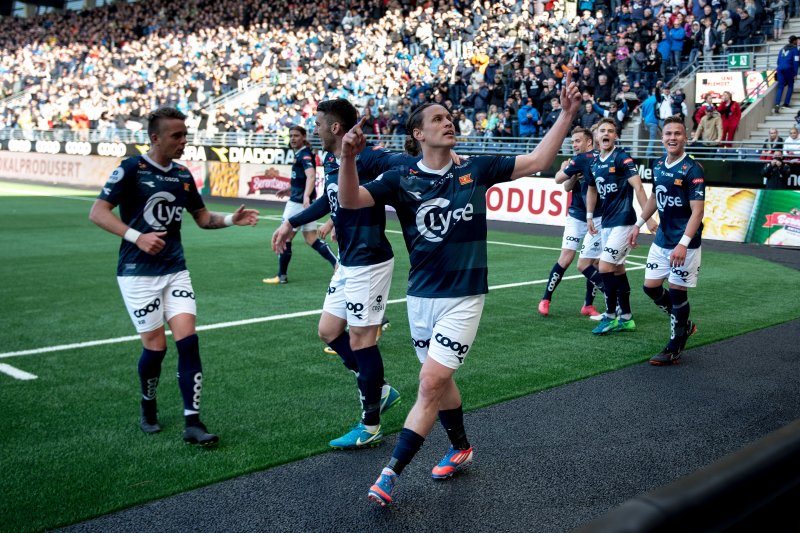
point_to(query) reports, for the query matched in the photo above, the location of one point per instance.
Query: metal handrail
(637, 146)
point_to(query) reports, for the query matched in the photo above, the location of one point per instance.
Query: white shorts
(658, 266)
(359, 294)
(615, 244)
(291, 209)
(577, 236)
(153, 299)
(444, 328)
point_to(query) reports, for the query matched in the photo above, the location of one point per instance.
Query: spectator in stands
(664, 106)
(708, 43)
(676, 36)
(650, 120)
(678, 102)
(731, 113)
(776, 173)
(702, 109)
(652, 66)
(709, 131)
(603, 90)
(587, 117)
(552, 116)
(528, 119)
(791, 147)
(465, 126)
(636, 63)
(778, 9)
(399, 119)
(773, 145)
(788, 62)
(614, 112)
(747, 28)
(727, 37)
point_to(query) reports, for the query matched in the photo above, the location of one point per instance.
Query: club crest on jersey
(611, 170)
(186, 187)
(678, 182)
(465, 179)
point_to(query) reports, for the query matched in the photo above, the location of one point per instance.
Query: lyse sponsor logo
(180, 293)
(159, 213)
(434, 219)
(605, 188)
(663, 199)
(139, 313)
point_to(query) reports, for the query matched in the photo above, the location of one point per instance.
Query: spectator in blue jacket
(788, 62)
(528, 119)
(676, 37)
(664, 50)
(650, 121)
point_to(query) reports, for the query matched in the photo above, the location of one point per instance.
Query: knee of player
(431, 387)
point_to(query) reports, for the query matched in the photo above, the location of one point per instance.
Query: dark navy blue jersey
(581, 164)
(360, 232)
(303, 160)
(443, 216)
(151, 199)
(675, 186)
(610, 176)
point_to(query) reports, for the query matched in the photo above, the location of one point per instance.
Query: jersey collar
(667, 165)
(440, 172)
(159, 167)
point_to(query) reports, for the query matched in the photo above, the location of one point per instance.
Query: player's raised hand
(152, 242)
(354, 140)
(245, 217)
(570, 95)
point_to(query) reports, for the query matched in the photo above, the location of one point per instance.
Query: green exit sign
(740, 60)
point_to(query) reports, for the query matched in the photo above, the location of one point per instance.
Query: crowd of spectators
(497, 64)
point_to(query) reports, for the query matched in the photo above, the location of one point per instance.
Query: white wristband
(685, 240)
(131, 235)
(640, 222)
(228, 220)
(589, 215)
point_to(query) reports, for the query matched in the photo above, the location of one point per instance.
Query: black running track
(547, 462)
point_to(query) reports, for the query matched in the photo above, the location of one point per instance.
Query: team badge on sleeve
(117, 175)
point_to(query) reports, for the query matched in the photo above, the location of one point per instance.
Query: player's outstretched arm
(102, 214)
(210, 220)
(544, 154)
(351, 195)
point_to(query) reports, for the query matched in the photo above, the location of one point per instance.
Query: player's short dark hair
(414, 121)
(341, 111)
(583, 131)
(610, 121)
(674, 119)
(155, 118)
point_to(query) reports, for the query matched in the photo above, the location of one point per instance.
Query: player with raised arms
(301, 193)
(614, 180)
(679, 196)
(442, 210)
(574, 174)
(152, 192)
(359, 289)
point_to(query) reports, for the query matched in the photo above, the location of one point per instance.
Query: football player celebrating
(614, 180)
(152, 191)
(442, 210)
(574, 173)
(679, 196)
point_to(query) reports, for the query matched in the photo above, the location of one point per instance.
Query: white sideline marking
(30, 192)
(246, 322)
(16, 373)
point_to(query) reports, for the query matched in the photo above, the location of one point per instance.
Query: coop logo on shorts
(684, 275)
(356, 309)
(570, 238)
(378, 304)
(459, 349)
(331, 290)
(652, 266)
(156, 304)
(159, 213)
(614, 253)
(421, 343)
(663, 199)
(434, 219)
(181, 293)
